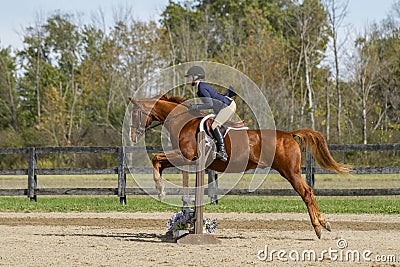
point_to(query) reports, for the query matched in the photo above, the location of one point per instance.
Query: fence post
(212, 186)
(310, 168)
(32, 178)
(121, 175)
(185, 182)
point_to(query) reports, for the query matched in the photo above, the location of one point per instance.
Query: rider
(224, 107)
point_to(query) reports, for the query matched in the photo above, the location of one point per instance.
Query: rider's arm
(206, 98)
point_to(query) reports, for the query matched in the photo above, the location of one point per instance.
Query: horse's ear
(133, 100)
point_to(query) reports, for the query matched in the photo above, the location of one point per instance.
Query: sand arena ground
(138, 239)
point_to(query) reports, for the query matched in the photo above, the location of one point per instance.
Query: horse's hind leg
(307, 194)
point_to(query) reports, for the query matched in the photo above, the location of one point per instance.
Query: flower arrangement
(184, 221)
(209, 226)
(180, 221)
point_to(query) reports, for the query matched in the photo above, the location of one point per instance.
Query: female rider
(224, 107)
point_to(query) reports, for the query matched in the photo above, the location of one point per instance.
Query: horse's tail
(319, 148)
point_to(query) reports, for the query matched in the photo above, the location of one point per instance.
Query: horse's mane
(175, 99)
(180, 100)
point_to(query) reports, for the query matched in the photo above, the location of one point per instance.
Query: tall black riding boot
(221, 151)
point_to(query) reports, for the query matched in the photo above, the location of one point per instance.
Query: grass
(80, 204)
(386, 205)
(371, 205)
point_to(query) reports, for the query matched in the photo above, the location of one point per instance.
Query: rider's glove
(193, 107)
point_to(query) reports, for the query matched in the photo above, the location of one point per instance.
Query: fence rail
(121, 170)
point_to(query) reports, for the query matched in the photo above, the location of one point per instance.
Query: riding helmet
(196, 72)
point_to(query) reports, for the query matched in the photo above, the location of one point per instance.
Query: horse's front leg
(162, 161)
(159, 160)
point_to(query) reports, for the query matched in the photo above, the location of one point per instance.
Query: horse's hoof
(328, 226)
(161, 196)
(318, 232)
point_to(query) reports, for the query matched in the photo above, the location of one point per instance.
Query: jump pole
(199, 238)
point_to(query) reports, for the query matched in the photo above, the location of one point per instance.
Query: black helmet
(196, 72)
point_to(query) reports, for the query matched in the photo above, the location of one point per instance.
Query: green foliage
(70, 82)
(8, 93)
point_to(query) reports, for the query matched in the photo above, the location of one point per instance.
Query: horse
(278, 149)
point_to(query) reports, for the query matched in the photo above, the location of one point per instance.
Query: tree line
(70, 82)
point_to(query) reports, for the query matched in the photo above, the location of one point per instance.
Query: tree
(307, 39)
(336, 11)
(64, 40)
(50, 61)
(184, 26)
(365, 76)
(8, 92)
(36, 64)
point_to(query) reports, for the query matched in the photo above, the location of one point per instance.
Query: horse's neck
(163, 110)
(173, 115)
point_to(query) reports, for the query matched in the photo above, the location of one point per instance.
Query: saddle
(206, 122)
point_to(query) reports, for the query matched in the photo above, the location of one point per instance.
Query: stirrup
(222, 156)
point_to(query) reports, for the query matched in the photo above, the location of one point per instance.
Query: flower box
(179, 233)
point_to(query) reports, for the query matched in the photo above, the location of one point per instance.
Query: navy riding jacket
(211, 98)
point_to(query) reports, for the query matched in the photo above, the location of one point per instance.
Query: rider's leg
(221, 151)
(224, 115)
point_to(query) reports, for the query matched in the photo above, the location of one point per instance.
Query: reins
(169, 118)
(140, 130)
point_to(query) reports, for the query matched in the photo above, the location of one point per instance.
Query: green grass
(386, 205)
(80, 204)
(383, 205)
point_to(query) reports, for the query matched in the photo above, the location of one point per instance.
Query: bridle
(140, 129)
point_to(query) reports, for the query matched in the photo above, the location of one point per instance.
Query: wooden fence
(121, 170)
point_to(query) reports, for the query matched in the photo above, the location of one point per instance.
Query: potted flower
(209, 226)
(181, 223)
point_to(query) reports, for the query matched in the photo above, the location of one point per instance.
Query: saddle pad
(205, 125)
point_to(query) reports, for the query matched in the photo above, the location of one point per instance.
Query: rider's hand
(193, 107)
(194, 110)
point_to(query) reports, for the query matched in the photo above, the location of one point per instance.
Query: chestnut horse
(273, 148)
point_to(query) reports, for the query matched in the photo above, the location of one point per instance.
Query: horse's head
(141, 119)
(159, 108)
